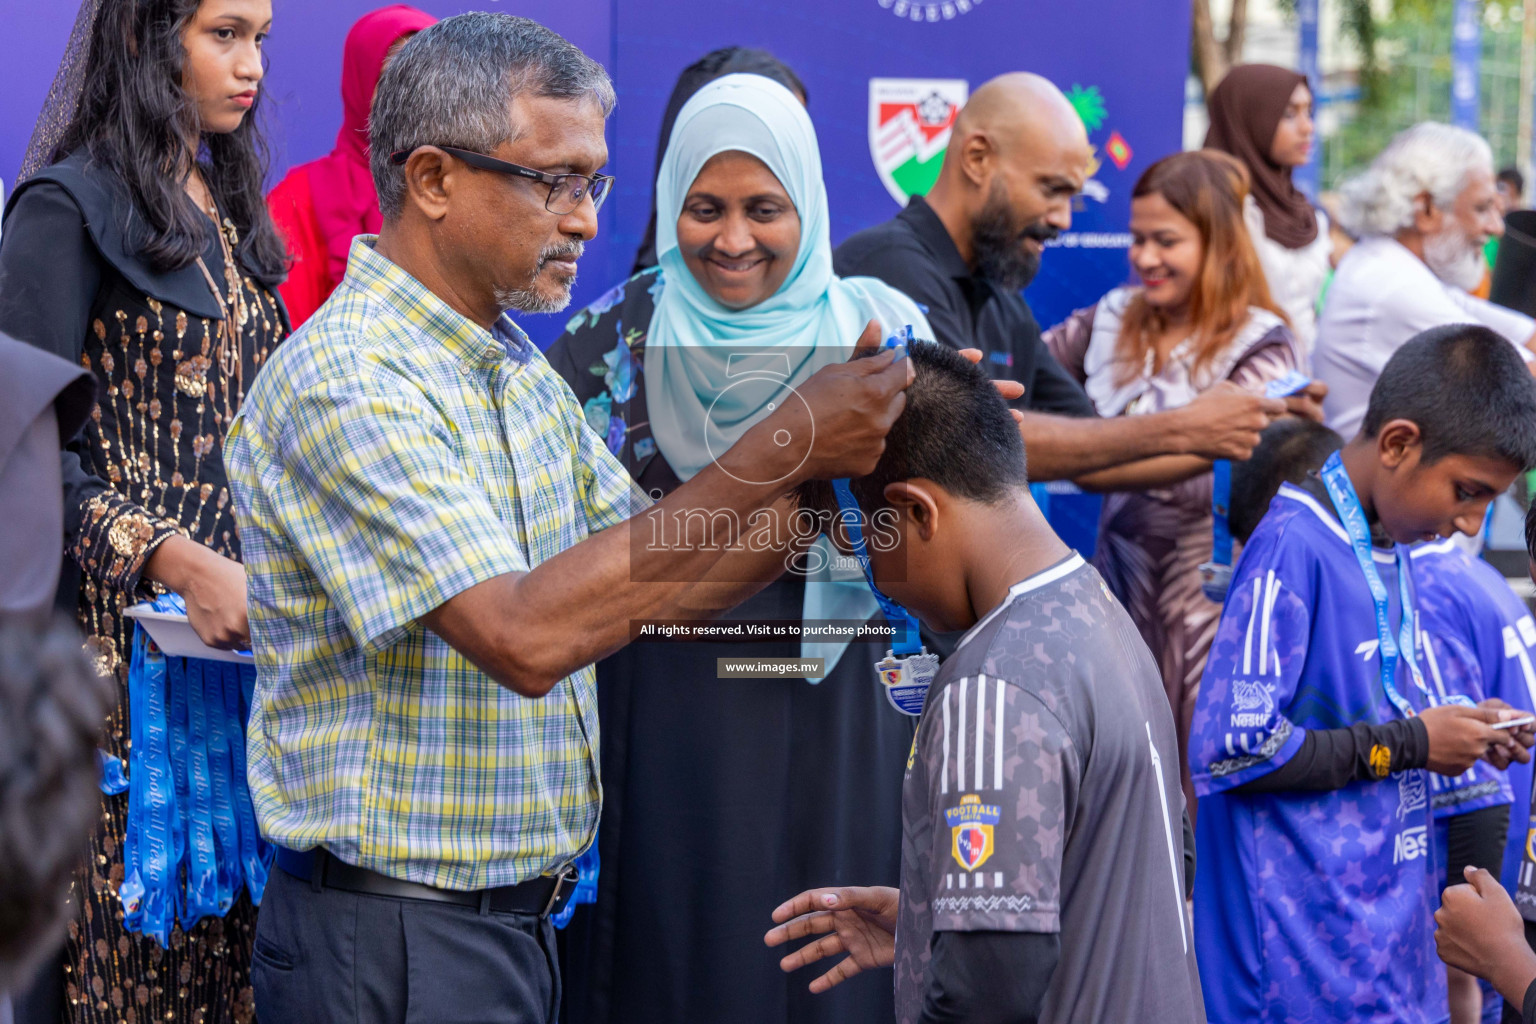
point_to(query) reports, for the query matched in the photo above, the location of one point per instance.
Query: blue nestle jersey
(1309, 906)
(1466, 597)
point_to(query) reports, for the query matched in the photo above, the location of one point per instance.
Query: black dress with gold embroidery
(170, 377)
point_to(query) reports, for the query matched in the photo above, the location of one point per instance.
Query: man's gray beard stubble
(529, 301)
(1454, 259)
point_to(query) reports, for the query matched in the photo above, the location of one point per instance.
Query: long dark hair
(134, 120)
(727, 60)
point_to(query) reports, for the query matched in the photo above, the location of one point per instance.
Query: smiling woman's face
(738, 232)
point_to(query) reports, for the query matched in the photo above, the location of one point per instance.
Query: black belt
(540, 896)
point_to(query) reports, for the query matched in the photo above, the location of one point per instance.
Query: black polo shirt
(914, 253)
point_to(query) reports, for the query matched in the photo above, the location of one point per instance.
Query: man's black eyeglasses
(566, 191)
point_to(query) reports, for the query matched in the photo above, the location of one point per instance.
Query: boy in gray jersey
(1042, 871)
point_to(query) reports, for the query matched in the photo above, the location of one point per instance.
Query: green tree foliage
(1412, 82)
(1405, 77)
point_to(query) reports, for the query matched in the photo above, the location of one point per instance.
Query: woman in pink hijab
(322, 205)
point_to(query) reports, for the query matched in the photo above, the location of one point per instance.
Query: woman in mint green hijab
(724, 796)
(765, 282)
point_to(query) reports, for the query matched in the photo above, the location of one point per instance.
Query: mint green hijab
(815, 317)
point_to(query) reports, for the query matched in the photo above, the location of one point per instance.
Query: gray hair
(1429, 157)
(453, 84)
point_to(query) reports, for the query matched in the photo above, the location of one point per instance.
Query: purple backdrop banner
(882, 75)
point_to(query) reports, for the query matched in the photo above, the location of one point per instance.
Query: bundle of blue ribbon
(191, 843)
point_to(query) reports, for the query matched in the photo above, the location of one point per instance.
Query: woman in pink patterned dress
(1201, 315)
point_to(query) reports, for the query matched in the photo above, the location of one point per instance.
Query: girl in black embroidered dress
(143, 251)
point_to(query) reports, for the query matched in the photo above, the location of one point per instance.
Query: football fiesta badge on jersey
(971, 826)
(910, 121)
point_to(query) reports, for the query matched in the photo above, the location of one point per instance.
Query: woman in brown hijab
(1262, 114)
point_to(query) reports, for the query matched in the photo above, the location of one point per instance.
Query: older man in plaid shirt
(438, 551)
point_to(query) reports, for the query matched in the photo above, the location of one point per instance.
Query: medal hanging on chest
(906, 680)
(907, 670)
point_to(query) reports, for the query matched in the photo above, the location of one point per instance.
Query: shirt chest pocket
(528, 468)
(545, 498)
(548, 506)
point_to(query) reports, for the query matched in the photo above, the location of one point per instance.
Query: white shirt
(1382, 296)
(1176, 384)
(1295, 276)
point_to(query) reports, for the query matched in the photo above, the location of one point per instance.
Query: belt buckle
(567, 874)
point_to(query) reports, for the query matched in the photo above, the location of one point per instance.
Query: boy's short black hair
(1512, 177)
(1466, 388)
(1288, 450)
(956, 430)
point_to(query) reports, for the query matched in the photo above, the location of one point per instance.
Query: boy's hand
(862, 923)
(1479, 931)
(1520, 738)
(1459, 737)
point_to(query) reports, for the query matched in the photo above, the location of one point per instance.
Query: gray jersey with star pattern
(1043, 795)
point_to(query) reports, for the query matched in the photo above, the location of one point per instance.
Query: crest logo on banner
(910, 121)
(970, 825)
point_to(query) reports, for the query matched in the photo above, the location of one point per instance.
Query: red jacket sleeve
(293, 210)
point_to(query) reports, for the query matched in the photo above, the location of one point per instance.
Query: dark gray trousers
(334, 957)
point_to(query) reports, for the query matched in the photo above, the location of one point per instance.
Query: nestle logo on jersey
(1411, 844)
(1252, 703)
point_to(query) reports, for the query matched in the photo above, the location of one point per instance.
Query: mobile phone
(1515, 723)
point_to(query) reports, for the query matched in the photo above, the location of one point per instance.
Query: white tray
(174, 635)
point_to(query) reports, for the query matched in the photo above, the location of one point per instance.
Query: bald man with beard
(1017, 156)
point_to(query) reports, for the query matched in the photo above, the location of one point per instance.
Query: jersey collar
(1330, 518)
(1065, 567)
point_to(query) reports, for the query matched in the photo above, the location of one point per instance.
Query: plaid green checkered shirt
(391, 455)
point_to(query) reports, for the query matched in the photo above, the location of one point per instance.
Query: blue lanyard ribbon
(191, 840)
(907, 641)
(255, 852)
(1342, 491)
(221, 768)
(151, 855)
(202, 884)
(1290, 383)
(1221, 509)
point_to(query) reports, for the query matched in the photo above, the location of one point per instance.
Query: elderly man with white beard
(1422, 211)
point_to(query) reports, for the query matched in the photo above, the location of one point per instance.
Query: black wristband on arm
(1333, 758)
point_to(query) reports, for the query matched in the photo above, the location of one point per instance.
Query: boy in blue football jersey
(1471, 622)
(1467, 603)
(1465, 596)
(1480, 928)
(1315, 724)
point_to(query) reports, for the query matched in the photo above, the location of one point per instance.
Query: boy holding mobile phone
(1315, 724)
